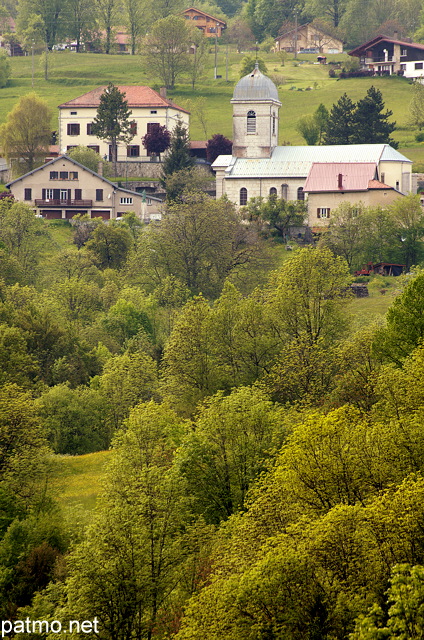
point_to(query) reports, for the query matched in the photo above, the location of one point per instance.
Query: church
(375, 174)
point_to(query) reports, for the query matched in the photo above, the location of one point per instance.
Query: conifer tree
(112, 122)
(178, 158)
(370, 123)
(340, 126)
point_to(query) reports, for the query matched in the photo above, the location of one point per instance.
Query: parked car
(312, 50)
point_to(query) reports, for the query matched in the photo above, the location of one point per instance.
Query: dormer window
(251, 122)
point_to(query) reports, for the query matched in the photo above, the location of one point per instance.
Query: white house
(388, 56)
(149, 109)
(259, 167)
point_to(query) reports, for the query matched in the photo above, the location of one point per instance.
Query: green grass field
(305, 85)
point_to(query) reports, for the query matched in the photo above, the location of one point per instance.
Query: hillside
(73, 74)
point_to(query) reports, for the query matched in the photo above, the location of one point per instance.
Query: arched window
(284, 191)
(273, 191)
(243, 196)
(300, 194)
(251, 122)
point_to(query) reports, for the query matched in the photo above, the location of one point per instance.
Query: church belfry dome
(255, 86)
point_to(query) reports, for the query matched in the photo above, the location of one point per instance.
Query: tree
(136, 21)
(4, 69)
(198, 58)
(22, 234)
(239, 33)
(370, 124)
(416, 106)
(25, 136)
(88, 158)
(408, 218)
(216, 146)
(165, 49)
(157, 140)
(110, 245)
(83, 16)
(248, 64)
(112, 122)
(340, 126)
(347, 232)
(179, 157)
(321, 116)
(308, 295)
(108, 13)
(308, 128)
(280, 214)
(201, 241)
(333, 9)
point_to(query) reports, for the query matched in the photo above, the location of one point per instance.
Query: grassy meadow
(303, 85)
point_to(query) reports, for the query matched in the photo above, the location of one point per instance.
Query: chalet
(63, 188)
(330, 184)
(389, 56)
(308, 36)
(209, 25)
(149, 109)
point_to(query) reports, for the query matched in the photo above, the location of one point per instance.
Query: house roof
(284, 34)
(136, 96)
(340, 176)
(204, 14)
(371, 43)
(296, 162)
(78, 164)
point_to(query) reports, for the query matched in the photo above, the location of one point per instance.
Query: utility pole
(295, 35)
(32, 63)
(216, 50)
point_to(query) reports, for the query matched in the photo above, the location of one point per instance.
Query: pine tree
(178, 158)
(112, 122)
(370, 123)
(340, 126)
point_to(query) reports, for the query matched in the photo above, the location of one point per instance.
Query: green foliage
(25, 136)
(178, 157)
(340, 127)
(371, 124)
(112, 122)
(248, 65)
(278, 213)
(4, 70)
(88, 158)
(110, 245)
(165, 48)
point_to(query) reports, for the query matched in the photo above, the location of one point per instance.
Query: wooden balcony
(56, 202)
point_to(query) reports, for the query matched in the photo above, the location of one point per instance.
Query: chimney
(100, 168)
(162, 92)
(340, 180)
(395, 35)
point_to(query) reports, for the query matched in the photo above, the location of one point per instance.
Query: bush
(419, 137)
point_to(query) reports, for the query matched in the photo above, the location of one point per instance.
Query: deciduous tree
(165, 49)
(25, 136)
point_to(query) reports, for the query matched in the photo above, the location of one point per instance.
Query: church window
(300, 194)
(243, 196)
(273, 191)
(251, 122)
(284, 191)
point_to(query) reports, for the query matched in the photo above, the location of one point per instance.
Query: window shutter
(56, 194)
(43, 194)
(318, 213)
(78, 194)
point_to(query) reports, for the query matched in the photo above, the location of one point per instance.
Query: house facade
(260, 167)
(329, 185)
(308, 36)
(149, 109)
(63, 188)
(389, 56)
(209, 25)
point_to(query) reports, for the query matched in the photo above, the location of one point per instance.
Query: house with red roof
(388, 56)
(329, 184)
(149, 110)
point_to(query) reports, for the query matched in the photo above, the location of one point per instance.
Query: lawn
(303, 85)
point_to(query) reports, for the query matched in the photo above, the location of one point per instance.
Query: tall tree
(179, 157)
(82, 17)
(108, 14)
(25, 136)
(112, 122)
(166, 49)
(416, 106)
(218, 145)
(135, 16)
(157, 140)
(329, 9)
(370, 123)
(340, 126)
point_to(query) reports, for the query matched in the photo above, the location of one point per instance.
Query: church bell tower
(255, 116)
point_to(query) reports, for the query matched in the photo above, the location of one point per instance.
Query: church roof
(255, 86)
(296, 162)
